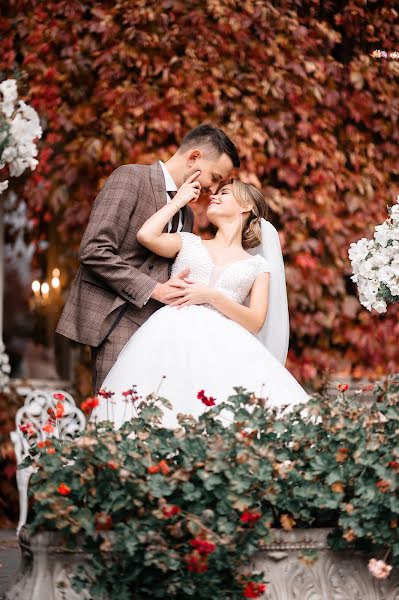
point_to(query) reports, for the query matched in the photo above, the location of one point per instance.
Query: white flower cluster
(375, 264)
(19, 126)
(4, 368)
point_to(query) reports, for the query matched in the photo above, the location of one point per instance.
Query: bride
(229, 327)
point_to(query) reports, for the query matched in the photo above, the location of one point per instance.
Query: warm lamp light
(45, 289)
(35, 286)
(56, 273)
(55, 282)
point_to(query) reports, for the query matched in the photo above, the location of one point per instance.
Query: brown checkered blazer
(114, 268)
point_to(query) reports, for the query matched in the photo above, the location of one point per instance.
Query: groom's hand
(169, 291)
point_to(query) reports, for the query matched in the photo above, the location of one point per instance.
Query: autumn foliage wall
(314, 116)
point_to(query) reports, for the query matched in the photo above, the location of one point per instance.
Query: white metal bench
(34, 411)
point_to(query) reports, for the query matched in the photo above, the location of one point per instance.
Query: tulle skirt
(183, 351)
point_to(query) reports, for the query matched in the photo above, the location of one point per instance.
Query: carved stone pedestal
(47, 569)
(333, 576)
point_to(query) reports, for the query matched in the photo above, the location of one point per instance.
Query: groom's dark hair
(207, 135)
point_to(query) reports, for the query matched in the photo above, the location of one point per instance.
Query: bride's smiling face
(223, 205)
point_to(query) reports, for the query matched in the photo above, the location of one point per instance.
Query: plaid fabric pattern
(114, 268)
(104, 356)
(105, 305)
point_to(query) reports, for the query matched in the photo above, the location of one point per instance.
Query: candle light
(45, 289)
(36, 287)
(55, 282)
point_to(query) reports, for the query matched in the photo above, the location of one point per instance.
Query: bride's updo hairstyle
(247, 194)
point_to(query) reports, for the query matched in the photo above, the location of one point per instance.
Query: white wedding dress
(197, 348)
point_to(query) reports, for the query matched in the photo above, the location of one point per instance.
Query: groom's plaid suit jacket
(114, 268)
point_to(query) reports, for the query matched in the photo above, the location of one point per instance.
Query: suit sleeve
(105, 232)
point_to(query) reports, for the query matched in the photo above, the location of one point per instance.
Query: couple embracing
(157, 303)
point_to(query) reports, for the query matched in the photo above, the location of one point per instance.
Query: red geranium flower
(164, 467)
(48, 427)
(132, 393)
(209, 401)
(27, 428)
(64, 489)
(170, 510)
(103, 522)
(89, 404)
(106, 394)
(204, 399)
(343, 387)
(254, 590)
(161, 466)
(153, 469)
(384, 485)
(393, 464)
(203, 546)
(59, 410)
(44, 444)
(59, 396)
(196, 563)
(250, 517)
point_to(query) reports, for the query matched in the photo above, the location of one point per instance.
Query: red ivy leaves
(315, 131)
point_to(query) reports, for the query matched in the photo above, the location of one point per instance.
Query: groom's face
(215, 169)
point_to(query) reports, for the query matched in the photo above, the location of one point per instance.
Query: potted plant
(207, 509)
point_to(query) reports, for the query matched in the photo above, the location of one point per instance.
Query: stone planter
(334, 575)
(47, 568)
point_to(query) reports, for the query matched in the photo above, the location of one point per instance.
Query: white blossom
(20, 127)
(395, 267)
(393, 287)
(375, 264)
(380, 306)
(382, 234)
(23, 127)
(3, 186)
(8, 88)
(9, 154)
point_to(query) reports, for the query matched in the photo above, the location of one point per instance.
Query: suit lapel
(158, 185)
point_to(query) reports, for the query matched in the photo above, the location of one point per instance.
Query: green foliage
(4, 129)
(145, 499)
(294, 84)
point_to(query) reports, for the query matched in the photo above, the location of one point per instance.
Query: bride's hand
(190, 190)
(194, 293)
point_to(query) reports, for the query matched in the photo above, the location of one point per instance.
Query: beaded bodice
(234, 280)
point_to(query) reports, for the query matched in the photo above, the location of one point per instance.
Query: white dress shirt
(170, 187)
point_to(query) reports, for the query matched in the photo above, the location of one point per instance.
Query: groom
(120, 284)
